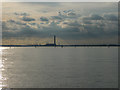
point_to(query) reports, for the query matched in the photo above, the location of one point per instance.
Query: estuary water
(42, 67)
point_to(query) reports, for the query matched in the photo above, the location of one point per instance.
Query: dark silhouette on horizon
(52, 44)
(55, 45)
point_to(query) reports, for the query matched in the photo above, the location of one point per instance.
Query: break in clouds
(65, 20)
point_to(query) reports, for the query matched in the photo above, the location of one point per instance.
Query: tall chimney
(54, 40)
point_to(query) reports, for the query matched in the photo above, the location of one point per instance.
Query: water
(60, 67)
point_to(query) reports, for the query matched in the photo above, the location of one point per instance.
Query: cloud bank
(67, 24)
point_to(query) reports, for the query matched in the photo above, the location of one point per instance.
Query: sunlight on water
(58, 67)
(1, 68)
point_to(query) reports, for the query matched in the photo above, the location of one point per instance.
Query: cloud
(111, 17)
(16, 22)
(50, 4)
(73, 29)
(68, 14)
(32, 23)
(85, 27)
(56, 17)
(96, 17)
(44, 19)
(4, 26)
(67, 11)
(72, 24)
(93, 17)
(71, 14)
(28, 19)
(21, 14)
(68, 25)
(87, 22)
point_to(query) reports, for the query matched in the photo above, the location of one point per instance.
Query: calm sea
(59, 67)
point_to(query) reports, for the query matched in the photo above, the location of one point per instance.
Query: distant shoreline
(60, 45)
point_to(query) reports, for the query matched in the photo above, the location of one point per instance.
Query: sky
(60, 0)
(71, 22)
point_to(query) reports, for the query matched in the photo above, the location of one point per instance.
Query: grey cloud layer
(21, 14)
(28, 19)
(44, 19)
(67, 24)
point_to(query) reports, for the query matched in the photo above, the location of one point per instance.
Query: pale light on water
(60, 67)
(1, 68)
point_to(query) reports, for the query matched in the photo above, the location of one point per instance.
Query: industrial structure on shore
(55, 45)
(52, 44)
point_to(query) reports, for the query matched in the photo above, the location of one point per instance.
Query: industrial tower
(54, 40)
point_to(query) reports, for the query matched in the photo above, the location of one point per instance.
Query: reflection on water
(59, 67)
(2, 68)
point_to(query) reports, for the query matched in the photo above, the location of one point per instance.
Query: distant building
(54, 40)
(52, 44)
